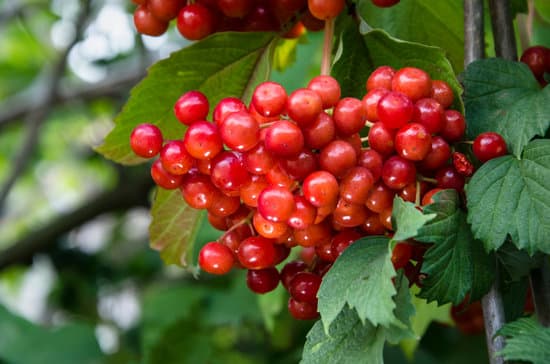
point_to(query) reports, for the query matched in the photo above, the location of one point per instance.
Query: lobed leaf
(504, 97)
(526, 340)
(359, 55)
(511, 197)
(456, 264)
(408, 219)
(225, 64)
(361, 278)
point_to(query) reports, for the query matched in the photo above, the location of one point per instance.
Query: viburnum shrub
(380, 179)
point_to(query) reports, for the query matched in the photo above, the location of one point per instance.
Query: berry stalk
(327, 46)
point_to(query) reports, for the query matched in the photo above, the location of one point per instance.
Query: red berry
(256, 252)
(381, 139)
(146, 23)
(454, 126)
(216, 258)
(198, 191)
(303, 215)
(372, 160)
(489, 145)
(462, 164)
(228, 173)
(146, 140)
(301, 166)
(320, 188)
(347, 215)
(202, 140)
(284, 139)
(302, 310)
(240, 131)
(328, 88)
(290, 270)
(262, 280)
(164, 179)
(321, 132)
(349, 116)
(356, 185)
(337, 157)
(448, 177)
(326, 9)
(276, 203)
(437, 157)
(370, 103)
(191, 106)
(536, 58)
(225, 107)
(413, 82)
(342, 240)
(269, 99)
(313, 235)
(235, 8)
(303, 106)
(442, 93)
(165, 9)
(429, 113)
(428, 197)
(195, 21)
(395, 110)
(381, 78)
(223, 205)
(413, 142)
(269, 229)
(304, 286)
(401, 254)
(398, 172)
(380, 198)
(258, 160)
(175, 159)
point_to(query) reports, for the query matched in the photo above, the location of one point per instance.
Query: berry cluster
(293, 170)
(196, 20)
(538, 60)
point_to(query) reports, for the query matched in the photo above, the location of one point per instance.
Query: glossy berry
(328, 88)
(284, 139)
(146, 140)
(164, 179)
(191, 106)
(290, 270)
(146, 23)
(303, 215)
(381, 139)
(349, 116)
(276, 203)
(489, 145)
(225, 107)
(269, 99)
(429, 113)
(304, 286)
(398, 172)
(262, 280)
(442, 93)
(413, 82)
(381, 78)
(303, 106)
(326, 9)
(372, 160)
(240, 131)
(413, 142)
(454, 126)
(428, 198)
(380, 198)
(165, 9)
(198, 191)
(175, 159)
(342, 241)
(256, 252)
(195, 21)
(202, 140)
(337, 157)
(395, 109)
(229, 173)
(462, 164)
(302, 310)
(301, 166)
(370, 103)
(448, 177)
(438, 156)
(356, 184)
(321, 188)
(216, 258)
(235, 8)
(536, 58)
(401, 254)
(321, 132)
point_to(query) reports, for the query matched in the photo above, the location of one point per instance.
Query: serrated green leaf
(361, 279)
(425, 314)
(504, 97)
(225, 64)
(526, 340)
(173, 228)
(507, 196)
(436, 23)
(361, 54)
(456, 264)
(348, 342)
(408, 219)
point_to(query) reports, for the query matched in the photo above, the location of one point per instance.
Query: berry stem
(327, 47)
(426, 179)
(246, 220)
(417, 196)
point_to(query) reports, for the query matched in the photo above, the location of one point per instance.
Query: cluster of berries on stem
(312, 169)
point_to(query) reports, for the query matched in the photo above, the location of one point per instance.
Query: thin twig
(327, 47)
(493, 308)
(17, 108)
(540, 287)
(503, 29)
(131, 191)
(35, 120)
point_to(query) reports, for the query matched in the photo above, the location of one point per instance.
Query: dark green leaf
(25, 343)
(456, 264)
(504, 97)
(404, 312)
(516, 263)
(225, 64)
(507, 196)
(173, 227)
(360, 54)
(348, 341)
(526, 340)
(408, 219)
(435, 23)
(361, 278)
